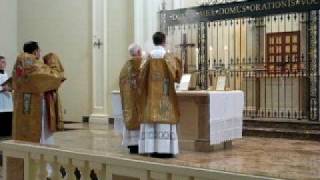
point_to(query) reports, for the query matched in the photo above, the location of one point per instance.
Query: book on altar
(184, 83)
(221, 83)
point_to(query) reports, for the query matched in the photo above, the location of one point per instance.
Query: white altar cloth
(117, 112)
(129, 138)
(226, 116)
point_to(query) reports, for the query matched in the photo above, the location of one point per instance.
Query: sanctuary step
(282, 129)
(72, 125)
(70, 122)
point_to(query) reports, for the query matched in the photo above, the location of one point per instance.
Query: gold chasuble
(30, 79)
(129, 84)
(158, 95)
(53, 103)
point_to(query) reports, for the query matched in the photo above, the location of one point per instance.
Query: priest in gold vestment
(160, 111)
(130, 99)
(31, 78)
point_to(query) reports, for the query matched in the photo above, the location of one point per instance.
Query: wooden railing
(87, 165)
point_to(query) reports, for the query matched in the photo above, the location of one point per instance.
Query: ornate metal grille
(237, 45)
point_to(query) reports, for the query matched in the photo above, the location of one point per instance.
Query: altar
(209, 120)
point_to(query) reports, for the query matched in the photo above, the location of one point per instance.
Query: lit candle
(226, 55)
(163, 5)
(197, 58)
(211, 57)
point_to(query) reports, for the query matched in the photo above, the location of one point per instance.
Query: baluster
(108, 172)
(39, 167)
(81, 166)
(34, 166)
(98, 170)
(56, 170)
(86, 170)
(180, 177)
(70, 171)
(54, 165)
(67, 165)
(43, 168)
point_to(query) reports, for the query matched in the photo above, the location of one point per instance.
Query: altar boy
(6, 104)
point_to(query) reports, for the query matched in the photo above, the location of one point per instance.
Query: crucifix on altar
(184, 53)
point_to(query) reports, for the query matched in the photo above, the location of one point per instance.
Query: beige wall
(120, 35)
(8, 31)
(63, 27)
(191, 3)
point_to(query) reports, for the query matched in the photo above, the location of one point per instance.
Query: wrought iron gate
(271, 54)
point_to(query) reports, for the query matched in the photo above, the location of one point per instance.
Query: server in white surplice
(6, 104)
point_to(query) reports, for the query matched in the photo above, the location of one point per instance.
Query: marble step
(296, 134)
(283, 124)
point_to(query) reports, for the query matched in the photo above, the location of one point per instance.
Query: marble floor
(278, 158)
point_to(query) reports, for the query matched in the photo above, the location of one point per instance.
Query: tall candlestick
(211, 57)
(163, 5)
(226, 50)
(197, 58)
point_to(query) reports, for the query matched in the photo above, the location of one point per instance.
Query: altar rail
(74, 165)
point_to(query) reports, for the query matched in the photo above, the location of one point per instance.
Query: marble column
(138, 21)
(99, 64)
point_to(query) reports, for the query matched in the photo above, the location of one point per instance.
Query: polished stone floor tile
(279, 158)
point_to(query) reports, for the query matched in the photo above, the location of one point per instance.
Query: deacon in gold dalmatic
(129, 90)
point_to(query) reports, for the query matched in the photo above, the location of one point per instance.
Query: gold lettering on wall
(245, 7)
(258, 7)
